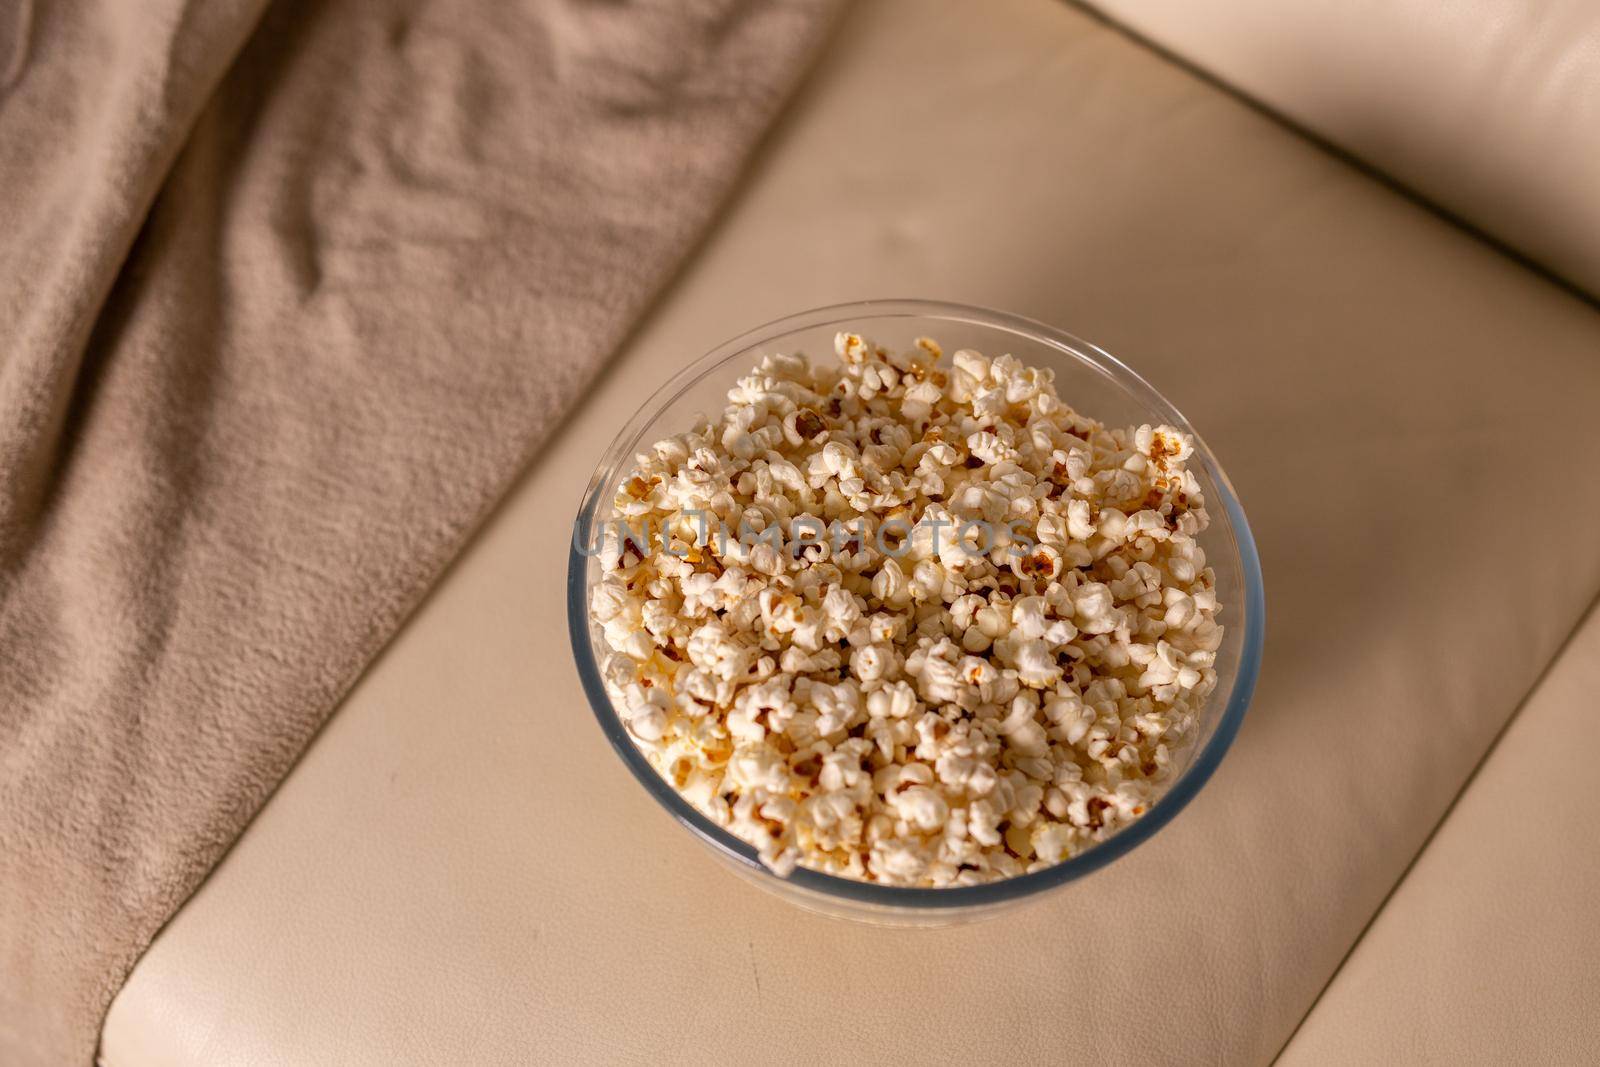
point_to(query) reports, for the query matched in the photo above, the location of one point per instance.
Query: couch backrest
(1488, 108)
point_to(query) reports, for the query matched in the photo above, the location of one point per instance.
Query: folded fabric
(286, 301)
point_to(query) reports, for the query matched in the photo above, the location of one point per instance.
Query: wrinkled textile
(287, 298)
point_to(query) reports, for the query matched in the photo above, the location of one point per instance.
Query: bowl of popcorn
(912, 611)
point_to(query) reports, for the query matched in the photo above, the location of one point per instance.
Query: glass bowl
(1088, 379)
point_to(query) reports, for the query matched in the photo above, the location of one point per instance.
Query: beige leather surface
(1486, 952)
(461, 871)
(1490, 108)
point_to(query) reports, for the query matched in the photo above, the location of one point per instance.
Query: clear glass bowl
(1087, 378)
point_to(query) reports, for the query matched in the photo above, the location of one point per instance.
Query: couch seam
(1590, 614)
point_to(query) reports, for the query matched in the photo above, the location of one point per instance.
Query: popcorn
(906, 624)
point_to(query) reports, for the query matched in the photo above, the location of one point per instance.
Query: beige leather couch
(460, 872)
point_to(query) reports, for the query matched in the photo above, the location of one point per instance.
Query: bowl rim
(1165, 809)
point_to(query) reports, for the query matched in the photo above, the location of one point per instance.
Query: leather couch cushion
(1486, 952)
(460, 871)
(1491, 109)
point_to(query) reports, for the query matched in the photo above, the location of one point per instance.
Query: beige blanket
(288, 295)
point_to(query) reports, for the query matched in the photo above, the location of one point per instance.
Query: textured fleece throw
(289, 293)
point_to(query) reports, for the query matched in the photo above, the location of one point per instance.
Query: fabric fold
(95, 101)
